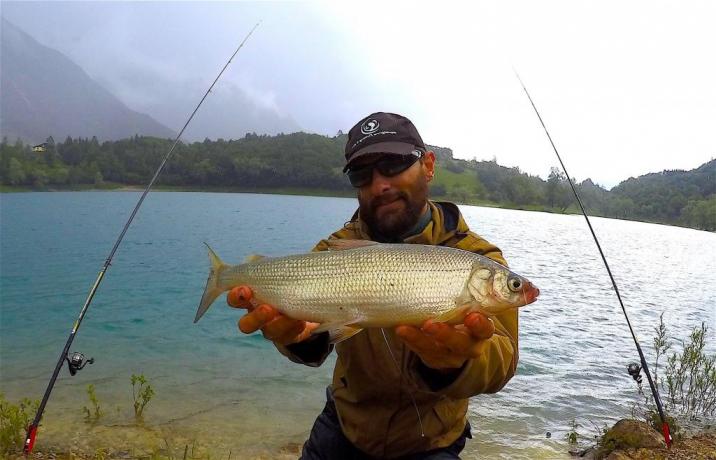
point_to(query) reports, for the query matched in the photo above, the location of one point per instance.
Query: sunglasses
(388, 166)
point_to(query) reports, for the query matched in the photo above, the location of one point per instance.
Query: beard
(394, 223)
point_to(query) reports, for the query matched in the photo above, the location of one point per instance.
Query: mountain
(664, 195)
(45, 94)
(699, 182)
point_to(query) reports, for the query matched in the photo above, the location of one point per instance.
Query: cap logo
(371, 125)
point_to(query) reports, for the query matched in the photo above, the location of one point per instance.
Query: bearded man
(400, 393)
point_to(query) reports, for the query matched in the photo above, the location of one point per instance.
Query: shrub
(92, 415)
(142, 393)
(14, 420)
(688, 383)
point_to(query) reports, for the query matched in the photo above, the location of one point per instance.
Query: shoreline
(139, 441)
(312, 192)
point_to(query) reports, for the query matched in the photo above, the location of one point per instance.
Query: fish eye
(515, 284)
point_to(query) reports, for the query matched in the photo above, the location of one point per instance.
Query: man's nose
(380, 183)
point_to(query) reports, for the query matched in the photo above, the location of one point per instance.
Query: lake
(226, 392)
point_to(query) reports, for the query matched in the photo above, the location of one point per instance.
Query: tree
(15, 173)
(554, 184)
(700, 214)
(41, 178)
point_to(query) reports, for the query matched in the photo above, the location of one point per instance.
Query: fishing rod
(76, 361)
(633, 368)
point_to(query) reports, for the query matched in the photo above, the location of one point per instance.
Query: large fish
(359, 284)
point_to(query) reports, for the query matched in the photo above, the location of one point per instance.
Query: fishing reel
(76, 361)
(634, 370)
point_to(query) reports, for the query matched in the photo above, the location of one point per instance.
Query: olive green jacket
(373, 396)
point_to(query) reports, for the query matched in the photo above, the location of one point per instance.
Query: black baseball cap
(382, 132)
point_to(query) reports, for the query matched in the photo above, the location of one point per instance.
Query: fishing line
(655, 392)
(76, 361)
(410, 393)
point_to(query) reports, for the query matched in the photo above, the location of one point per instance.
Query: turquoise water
(235, 392)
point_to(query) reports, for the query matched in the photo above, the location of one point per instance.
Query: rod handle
(30, 439)
(667, 434)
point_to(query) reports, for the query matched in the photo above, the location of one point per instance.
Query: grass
(452, 181)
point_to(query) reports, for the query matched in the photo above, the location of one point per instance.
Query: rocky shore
(635, 440)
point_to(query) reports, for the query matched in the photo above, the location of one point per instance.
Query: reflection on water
(237, 394)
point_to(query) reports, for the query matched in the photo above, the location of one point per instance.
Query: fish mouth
(531, 293)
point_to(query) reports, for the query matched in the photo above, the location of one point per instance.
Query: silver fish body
(375, 285)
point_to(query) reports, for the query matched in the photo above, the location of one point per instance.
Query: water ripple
(574, 342)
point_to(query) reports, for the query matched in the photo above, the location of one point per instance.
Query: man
(399, 393)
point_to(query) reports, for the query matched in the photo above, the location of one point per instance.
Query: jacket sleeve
(311, 352)
(314, 350)
(496, 366)
(486, 374)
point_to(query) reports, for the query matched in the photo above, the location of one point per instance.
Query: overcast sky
(625, 88)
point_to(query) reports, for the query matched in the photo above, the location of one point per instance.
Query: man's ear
(428, 163)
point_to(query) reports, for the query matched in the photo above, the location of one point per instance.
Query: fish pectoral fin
(454, 316)
(341, 245)
(343, 333)
(337, 332)
(253, 258)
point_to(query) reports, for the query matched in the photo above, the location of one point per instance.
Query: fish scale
(367, 284)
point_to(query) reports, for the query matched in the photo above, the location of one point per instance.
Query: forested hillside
(313, 162)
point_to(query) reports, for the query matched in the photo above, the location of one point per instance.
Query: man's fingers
(239, 297)
(283, 329)
(455, 340)
(307, 331)
(479, 325)
(418, 341)
(255, 320)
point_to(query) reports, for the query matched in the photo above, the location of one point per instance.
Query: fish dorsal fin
(341, 245)
(253, 258)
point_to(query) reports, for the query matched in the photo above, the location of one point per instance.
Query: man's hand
(275, 327)
(444, 347)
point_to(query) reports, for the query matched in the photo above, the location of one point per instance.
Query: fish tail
(212, 289)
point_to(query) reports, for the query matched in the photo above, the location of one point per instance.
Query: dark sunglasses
(387, 166)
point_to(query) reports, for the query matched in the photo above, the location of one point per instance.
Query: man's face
(391, 206)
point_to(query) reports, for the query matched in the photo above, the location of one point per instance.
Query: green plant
(691, 378)
(92, 415)
(14, 420)
(572, 435)
(688, 383)
(142, 393)
(661, 345)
